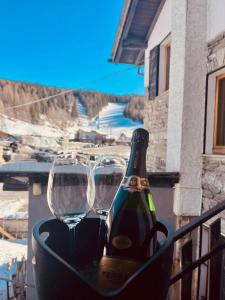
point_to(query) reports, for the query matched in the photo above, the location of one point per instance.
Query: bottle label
(135, 183)
(113, 272)
(121, 242)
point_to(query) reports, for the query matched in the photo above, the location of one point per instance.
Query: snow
(83, 118)
(10, 209)
(31, 167)
(25, 167)
(41, 141)
(13, 205)
(10, 250)
(17, 127)
(110, 120)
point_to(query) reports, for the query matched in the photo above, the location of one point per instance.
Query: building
(1, 155)
(90, 136)
(4, 135)
(182, 47)
(123, 140)
(181, 44)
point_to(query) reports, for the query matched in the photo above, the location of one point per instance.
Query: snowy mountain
(110, 120)
(64, 115)
(14, 126)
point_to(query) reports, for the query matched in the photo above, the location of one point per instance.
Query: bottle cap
(140, 135)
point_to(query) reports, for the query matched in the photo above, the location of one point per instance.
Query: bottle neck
(137, 161)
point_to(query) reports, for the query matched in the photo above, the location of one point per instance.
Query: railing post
(7, 289)
(186, 282)
(214, 256)
(215, 264)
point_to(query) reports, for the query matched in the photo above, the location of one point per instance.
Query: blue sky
(63, 43)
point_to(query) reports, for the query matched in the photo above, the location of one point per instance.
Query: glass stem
(72, 245)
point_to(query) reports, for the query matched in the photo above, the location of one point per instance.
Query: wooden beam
(133, 44)
(140, 57)
(155, 19)
(7, 234)
(124, 28)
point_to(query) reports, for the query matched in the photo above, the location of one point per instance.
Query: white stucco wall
(186, 102)
(215, 18)
(161, 30)
(177, 67)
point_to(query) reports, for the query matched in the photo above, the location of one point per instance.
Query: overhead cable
(68, 91)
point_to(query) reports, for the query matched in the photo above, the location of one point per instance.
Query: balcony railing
(201, 275)
(209, 276)
(214, 276)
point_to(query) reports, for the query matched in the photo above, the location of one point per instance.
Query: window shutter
(220, 138)
(153, 72)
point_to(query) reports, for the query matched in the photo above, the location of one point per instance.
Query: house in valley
(90, 136)
(4, 135)
(123, 140)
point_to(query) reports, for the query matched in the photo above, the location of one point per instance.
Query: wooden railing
(6, 234)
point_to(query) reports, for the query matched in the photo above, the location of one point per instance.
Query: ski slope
(110, 120)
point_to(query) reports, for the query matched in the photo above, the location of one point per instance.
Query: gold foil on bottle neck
(135, 183)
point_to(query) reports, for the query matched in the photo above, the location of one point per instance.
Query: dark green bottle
(132, 216)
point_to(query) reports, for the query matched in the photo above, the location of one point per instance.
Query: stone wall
(213, 181)
(216, 53)
(213, 173)
(155, 121)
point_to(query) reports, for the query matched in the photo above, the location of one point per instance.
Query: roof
(97, 132)
(123, 137)
(137, 19)
(32, 168)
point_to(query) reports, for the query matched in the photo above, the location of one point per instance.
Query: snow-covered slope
(83, 118)
(12, 249)
(16, 127)
(110, 120)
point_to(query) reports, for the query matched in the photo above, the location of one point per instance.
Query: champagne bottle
(132, 215)
(131, 220)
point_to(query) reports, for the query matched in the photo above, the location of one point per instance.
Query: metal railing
(215, 279)
(212, 261)
(15, 284)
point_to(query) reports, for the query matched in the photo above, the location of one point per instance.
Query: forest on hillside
(94, 101)
(58, 109)
(135, 109)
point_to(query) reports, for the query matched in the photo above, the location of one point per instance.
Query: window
(159, 68)
(153, 73)
(164, 65)
(167, 66)
(219, 120)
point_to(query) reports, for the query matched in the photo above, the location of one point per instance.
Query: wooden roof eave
(120, 43)
(124, 25)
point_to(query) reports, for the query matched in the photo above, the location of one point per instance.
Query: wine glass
(68, 192)
(108, 172)
(68, 195)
